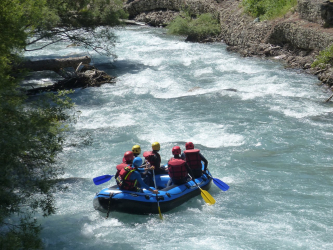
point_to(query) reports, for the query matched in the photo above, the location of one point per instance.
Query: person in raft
(178, 168)
(127, 161)
(193, 158)
(130, 179)
(136, 149)
(154, 159)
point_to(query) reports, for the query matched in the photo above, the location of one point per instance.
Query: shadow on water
(122, 67)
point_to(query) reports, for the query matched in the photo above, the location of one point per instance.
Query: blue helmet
(137, 162)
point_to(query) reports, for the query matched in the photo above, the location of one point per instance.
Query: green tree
(32, 133)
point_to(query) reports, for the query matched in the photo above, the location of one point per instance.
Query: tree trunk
(80, 77)
(55, 64)
(86, 77)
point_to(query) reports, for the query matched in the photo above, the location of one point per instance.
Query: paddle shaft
(204, 194)
(158, 203)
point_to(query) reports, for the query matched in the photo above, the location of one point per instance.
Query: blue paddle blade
(220, 184)
(101, 179)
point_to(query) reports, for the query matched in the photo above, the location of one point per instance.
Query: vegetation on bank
(268, 9)
(32, 132)
(202, 26)
(325, 57)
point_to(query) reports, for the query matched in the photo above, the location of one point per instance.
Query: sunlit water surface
(265, 131)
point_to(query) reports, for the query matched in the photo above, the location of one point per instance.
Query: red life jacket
(149, 156)
(193, 160)
(119, 168)
(123, 180)
(177, 169)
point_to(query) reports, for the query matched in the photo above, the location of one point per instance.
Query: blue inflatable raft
(114, 199)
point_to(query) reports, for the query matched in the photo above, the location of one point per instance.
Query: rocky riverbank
(295, 39)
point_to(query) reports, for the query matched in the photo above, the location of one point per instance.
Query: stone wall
(300, 37)
(316, 11)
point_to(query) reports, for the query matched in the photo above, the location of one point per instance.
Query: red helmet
(176, 150)
(189, 145)
(129, 156)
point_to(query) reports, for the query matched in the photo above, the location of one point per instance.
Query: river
(266, 132)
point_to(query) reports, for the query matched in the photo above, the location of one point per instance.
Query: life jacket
(150, 157)
(177, 169)
(123, 180)
(119, 168)
(193, 160)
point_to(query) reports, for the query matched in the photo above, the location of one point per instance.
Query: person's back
(130, 179)
(193, 158)
(127, 161)
(124, 180)
(177, 167)
(154, 158)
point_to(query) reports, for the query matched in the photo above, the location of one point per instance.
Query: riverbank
(295, 39)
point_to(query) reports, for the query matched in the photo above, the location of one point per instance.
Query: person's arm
(137, 176)
(117, 174)
(189, 170)
(205, 161)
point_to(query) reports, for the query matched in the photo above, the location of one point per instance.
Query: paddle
(101, 179)
(205, 195)
(158, 203)
(220, 184)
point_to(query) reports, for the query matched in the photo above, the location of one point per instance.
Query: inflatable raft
(113, 199)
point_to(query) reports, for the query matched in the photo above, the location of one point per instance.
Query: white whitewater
(265, 131)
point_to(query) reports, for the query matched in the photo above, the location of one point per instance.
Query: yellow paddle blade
(159, 211)
(207, 197)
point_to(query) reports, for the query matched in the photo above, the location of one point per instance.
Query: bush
(268, 9)
(325, 57)
(204, 25)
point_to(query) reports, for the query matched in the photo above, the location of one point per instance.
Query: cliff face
(296, 38)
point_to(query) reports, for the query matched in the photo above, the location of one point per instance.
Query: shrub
(325, 57)
(203, 26)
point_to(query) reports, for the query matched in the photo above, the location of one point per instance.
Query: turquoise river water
(265, 131)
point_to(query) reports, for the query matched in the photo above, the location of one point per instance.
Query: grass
(268, 9)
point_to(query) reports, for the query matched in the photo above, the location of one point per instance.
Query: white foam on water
(265, 132)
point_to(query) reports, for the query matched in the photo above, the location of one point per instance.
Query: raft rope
(107, 214)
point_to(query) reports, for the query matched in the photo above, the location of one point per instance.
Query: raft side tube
(145, 203)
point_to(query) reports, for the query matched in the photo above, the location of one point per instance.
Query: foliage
(325, 57)
(268, 9)
(32, 21)
(31, 137)
(32, 132)
(203, 26)
(76, 21)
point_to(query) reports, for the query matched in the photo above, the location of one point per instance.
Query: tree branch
(61, 39)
